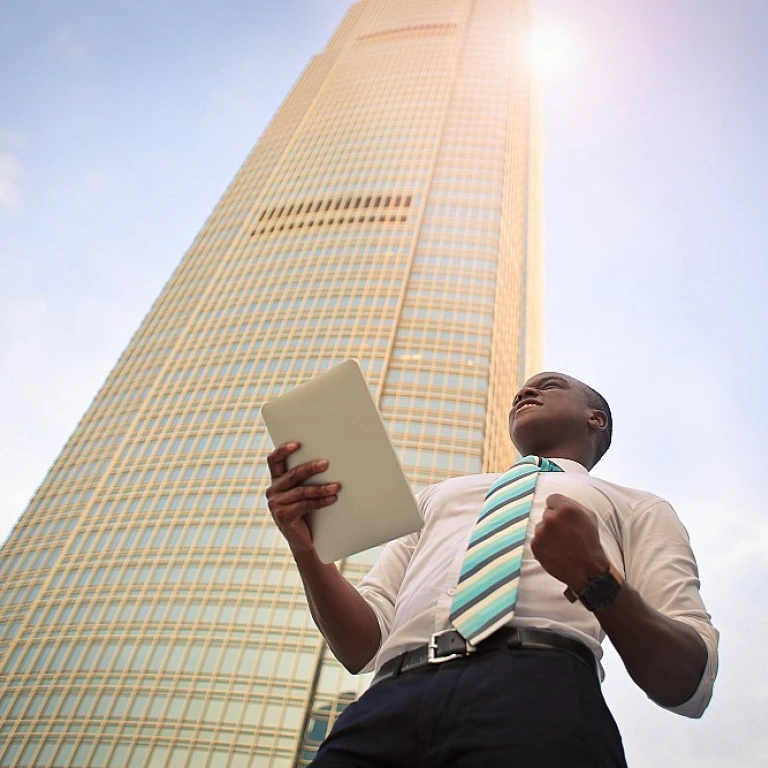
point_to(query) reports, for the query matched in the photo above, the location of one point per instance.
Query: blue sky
(122, 123)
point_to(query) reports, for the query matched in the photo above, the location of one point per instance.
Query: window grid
(149, 611)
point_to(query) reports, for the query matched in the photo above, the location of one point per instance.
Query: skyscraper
(149, 612)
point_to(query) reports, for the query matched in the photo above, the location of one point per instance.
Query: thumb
(558, 501)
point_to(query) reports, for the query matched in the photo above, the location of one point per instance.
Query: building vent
(349, 209)
(414, 30)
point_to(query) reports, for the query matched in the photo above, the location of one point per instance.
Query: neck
(582, 454)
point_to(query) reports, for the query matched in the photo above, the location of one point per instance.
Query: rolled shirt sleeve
(661, 566)
(379, 588)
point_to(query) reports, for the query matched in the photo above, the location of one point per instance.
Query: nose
(523, 393)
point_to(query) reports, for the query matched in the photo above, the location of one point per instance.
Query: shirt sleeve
(661, 566)
(380, 587)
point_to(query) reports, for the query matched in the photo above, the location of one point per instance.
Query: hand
(567, 543)
(289, 501)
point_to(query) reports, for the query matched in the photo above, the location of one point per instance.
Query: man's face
(549, 407)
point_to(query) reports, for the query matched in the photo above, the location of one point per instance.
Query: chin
(524, 435)
(520, 440)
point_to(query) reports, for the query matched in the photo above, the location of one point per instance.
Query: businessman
(484, 629)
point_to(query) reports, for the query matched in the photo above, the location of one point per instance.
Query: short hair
(599, 403)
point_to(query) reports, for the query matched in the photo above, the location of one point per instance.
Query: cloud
(69, 47)
(10, 172)
(11, 139)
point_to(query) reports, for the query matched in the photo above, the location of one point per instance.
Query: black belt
(449, 645)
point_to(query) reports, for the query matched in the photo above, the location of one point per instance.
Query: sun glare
(554, 49)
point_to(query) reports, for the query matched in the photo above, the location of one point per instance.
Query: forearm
(666, 658)
(340, 612)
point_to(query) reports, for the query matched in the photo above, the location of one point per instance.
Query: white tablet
(334, 417)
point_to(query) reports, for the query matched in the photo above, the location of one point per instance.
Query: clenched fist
(567, 543)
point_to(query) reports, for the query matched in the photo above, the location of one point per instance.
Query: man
(511, 675)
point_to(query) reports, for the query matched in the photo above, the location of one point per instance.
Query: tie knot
(544, 464)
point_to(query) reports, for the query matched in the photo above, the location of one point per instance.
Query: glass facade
(149, 611)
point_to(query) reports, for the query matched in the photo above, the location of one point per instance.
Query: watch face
(600, 592)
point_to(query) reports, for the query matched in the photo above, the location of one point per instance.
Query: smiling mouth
(526, 407)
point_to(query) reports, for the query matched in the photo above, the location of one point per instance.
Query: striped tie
(490, 574)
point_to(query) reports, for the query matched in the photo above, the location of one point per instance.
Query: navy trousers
(521, 708)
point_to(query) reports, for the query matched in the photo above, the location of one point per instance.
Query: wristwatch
(600, 591)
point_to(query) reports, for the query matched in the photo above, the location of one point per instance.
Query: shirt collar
(569, 465)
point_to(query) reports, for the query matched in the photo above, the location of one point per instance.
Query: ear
(597, 420)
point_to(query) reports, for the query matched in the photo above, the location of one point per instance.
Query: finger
(292, 512)
(276, 459)
(555, 517)
(302, 492)
(557, 501)
(536, 543)
(298, 475)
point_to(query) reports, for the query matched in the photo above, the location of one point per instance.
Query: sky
(121, 125)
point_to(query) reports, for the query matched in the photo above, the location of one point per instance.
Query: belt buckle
(432, 647)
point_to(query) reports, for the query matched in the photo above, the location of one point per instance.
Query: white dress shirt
(411, 586)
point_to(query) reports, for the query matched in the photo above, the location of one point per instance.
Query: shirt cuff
(697, 704)
(383, 631)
